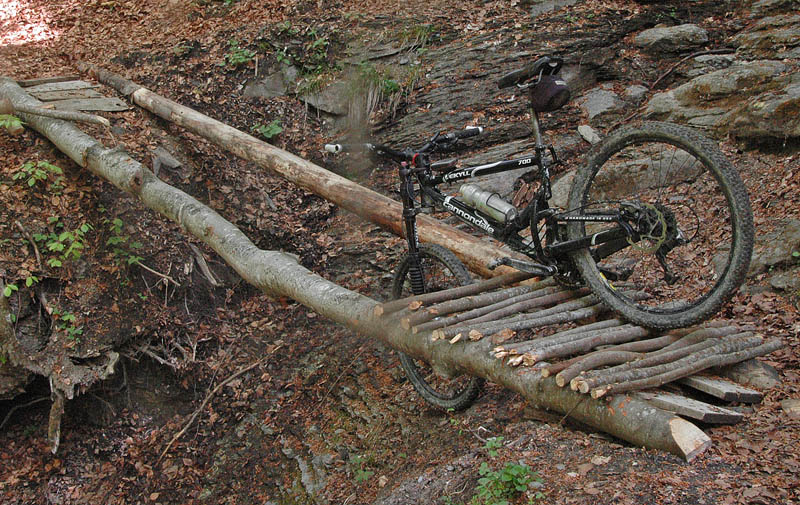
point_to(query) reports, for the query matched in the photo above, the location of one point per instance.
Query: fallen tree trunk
(279, 274)
(383, 211)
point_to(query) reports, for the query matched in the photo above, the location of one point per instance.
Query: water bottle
(489, 203)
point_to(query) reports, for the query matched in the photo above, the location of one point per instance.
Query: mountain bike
(657, 223)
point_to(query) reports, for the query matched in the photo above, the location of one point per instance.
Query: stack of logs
(606, 354)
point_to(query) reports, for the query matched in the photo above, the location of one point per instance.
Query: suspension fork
(410, 221)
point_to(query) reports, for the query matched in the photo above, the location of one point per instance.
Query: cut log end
(598, 392)
(690, 439)
(560, 380)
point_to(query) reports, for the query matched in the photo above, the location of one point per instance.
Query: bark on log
(279, 274)
(67, 115)
(558, 350)
(594, 360)
(383, 211)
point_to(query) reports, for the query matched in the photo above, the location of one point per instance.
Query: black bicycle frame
(612, 240)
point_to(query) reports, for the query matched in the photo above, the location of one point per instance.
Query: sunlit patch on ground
(21, 24)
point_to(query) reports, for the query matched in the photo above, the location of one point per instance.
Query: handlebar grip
(469, 131)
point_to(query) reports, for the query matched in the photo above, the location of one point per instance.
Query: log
(461, 304)
(660, 357)
(564, 337)
(475, 313)
(693, 409)
(383, 211)
(529, 306)
(639, 346)
(518, 322)
(26, 83)
(723, 390)
(594, 360)
(666, 360)
(614, 336)
(279, 274)
(689, 369)
(458, 292)
(56, 114)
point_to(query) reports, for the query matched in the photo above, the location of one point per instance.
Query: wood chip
(456, 338)
(415, 305)
(502, 336)
(475, 335)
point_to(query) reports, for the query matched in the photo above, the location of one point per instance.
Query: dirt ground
(325, 409)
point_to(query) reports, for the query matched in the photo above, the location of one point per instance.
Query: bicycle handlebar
(406, 155)
(546, 65)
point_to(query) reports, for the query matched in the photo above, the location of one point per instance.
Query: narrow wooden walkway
(569, 334)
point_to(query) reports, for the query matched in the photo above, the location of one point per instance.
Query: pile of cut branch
(603, 356)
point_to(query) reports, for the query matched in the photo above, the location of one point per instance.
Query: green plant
(10, 122)
(67, 245)
(270, 130)
(498, 487)
(237, 56)
(360, 472)
(38, 171)
(118, 239)
(66, 321)
(493, 444)
(9, 289)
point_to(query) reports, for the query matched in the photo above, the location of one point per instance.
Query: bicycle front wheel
(441, 270)
(691, 217)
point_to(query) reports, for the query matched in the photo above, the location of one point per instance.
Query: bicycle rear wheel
(692, 214)
(441, 270)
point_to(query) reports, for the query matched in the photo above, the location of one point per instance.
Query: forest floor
(322, 398)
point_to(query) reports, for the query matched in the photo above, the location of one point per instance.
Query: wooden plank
(66, 94)
(723, 389)
(61, 86)
(693, 409)
(26, 83)
(101, 104)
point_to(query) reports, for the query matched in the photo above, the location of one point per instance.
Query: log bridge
(484, 329)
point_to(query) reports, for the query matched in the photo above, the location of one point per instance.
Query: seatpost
(537, 132)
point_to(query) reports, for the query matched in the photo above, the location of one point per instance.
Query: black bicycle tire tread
(727, 178)
(470, 393)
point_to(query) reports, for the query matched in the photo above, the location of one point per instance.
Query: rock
(775, 247)
(579, 78)
(743, 95)
(771, 37)
(635, 93)
(332, 99)
(791, 406)
(589, 134)
(763, 7)
(774, 115)
(788, 281)
(560, 190)
(277, 83)
(707, 63)
(752, 373)
(600, 102)
(545, 6)
(672, 39)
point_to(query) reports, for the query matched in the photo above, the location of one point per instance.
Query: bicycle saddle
(546, 65)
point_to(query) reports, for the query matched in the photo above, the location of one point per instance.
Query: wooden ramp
(70, 93)
(567, 333)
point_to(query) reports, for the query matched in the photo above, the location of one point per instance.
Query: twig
(201, 262)
(205, 402)
(163, 276)
(17, 407)
(33, 243)
(693, 55)
(66, 115)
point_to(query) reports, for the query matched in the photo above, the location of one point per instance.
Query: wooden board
(61, 86)
(722, 389)
(100, 104)
(25, 83)
(67, 94)
(693, 409)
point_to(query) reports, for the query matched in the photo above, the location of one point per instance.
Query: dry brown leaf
(475, 335)
(503, 336)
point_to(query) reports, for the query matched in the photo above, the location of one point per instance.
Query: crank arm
(524, 266)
